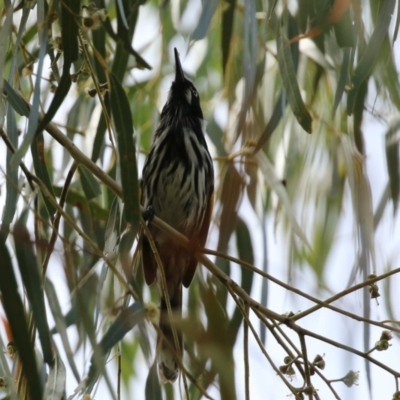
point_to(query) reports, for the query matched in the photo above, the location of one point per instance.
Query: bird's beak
(179, 75)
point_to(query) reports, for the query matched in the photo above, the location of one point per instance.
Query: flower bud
(351, 378)
(386, 335)
(382, 345)
(287, 370)
(319, 362)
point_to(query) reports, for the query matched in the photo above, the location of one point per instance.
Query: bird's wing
(200, 241)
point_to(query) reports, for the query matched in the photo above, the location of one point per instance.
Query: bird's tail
(167, 351)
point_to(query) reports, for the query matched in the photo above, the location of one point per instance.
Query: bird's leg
(149, 214)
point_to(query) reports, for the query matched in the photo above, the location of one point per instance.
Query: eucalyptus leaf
(32, 281)
(288, 74)
(15, 314)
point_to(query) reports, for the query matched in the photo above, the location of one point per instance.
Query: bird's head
(183, 94)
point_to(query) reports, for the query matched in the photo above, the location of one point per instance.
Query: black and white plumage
(178, 183)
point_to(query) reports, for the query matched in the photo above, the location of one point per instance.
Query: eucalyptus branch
(320, 303)
(309, 386)
(345, 292)
(302, 331)
(246, 353)
(281, 337)
(261, 345)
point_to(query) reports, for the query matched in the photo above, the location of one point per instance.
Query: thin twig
(246, 353)
(320, 303)
(328, 383)
(261, 346)
(57, 218)
(361, 354)
(119, 373)
(306, 366)
(272, 327)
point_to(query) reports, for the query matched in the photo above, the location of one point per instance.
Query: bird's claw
(149, 214)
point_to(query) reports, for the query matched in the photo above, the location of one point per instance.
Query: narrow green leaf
(71, 318)
(123, 324)
(99, 42)
(392, 162)
(227, 29)
(120, 61)
(58, 99)
(123, 40)
(69, 34)
(112, 232)
(272, 9)
(15, 100)
(153, 388)
(370, 56)
(86, 220)
(78, 120)
(76, 199)
(281, 103)
(34, 113)
(32, 281)
(245, 249)
(362, 203)
(61, 325)
(343, 78)
(127, 154)
(279, 108)
(5, 35)
(90, 185)
(276, 185)
(250, 55)
(100, 293)
(207, 13)
(215, 133)
(21, 29)
(289, 80)
(232, 189)
(55, 385)
(11, 176)
(15, 313)
(121, 12)
(389, 72)
(396, 27)
(70, 30)
(39, 162)
(141, 62)
(98, 145)
(344, 31)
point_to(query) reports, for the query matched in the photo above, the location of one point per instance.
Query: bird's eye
(194, 92)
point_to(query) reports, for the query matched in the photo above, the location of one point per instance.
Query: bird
(177, 187)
